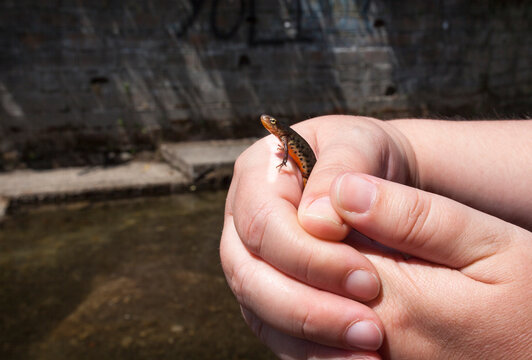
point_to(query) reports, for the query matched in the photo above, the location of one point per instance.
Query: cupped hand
(465, 293)
(300, 285)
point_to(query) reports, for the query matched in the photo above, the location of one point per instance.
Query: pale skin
(310, 287)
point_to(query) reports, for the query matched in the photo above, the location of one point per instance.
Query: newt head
(269, 122)
(276, 127)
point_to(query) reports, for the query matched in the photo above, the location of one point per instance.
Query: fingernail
(362, 284)
(322, 209)
(355, 194)
(365, 335)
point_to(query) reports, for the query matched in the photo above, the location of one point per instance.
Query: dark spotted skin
(293, 145)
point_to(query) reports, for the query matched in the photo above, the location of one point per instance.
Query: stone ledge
(192, 165)
(27, 186)
(196, 160)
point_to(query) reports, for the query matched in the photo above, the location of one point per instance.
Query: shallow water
(136, 279)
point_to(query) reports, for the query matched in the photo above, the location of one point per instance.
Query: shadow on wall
(82, 83)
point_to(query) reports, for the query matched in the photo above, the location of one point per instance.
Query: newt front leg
(284, 148)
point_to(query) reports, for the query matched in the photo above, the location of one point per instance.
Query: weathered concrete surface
(135, 178)
(196, 160)
(80, 79)
(191, 165)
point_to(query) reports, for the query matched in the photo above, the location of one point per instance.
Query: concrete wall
(80, 80)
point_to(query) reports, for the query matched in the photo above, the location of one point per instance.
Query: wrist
(474, 162)
(426, 141)
(410, 160)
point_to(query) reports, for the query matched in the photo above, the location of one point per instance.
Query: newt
(293, 145)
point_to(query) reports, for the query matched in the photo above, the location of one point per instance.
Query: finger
(292, 307)
(362, 146)
(419, 223)
(288, 347)
(265, 216)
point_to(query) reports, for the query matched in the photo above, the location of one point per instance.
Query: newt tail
(293, 145)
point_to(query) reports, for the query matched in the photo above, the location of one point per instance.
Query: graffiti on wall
(297, 20)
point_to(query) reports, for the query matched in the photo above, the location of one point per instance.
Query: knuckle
(224, 258)
(255, 228)
(415, 222)
(255, 324)
(248, 158)
(240, 163)
(303, 324)
(306, 265)
(238, 279)
(237, 273)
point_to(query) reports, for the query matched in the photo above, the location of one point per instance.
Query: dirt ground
(134, 279)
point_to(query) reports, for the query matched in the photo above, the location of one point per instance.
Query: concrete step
(31, 186)
(198, 160)
(191, 165)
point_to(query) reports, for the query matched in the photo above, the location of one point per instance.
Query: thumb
(416, 222)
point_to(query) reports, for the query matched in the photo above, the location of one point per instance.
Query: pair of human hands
(421, 276)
